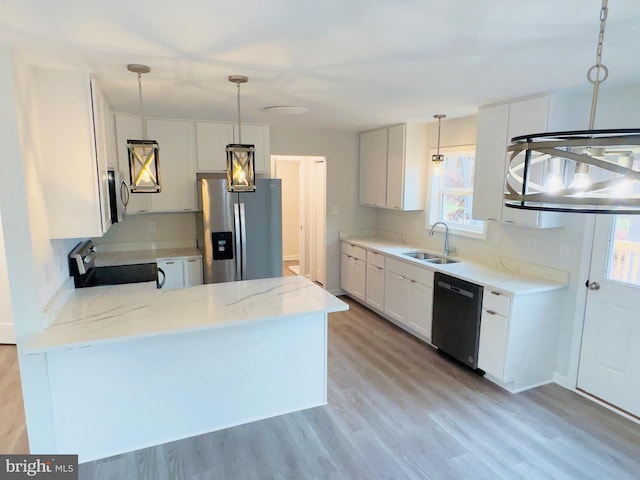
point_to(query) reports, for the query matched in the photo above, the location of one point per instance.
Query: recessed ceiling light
(286, 110)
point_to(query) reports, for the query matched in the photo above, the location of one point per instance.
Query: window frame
(434, 195)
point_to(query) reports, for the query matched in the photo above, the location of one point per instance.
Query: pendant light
(143, 154)
(438, 159)
(240, 157)
(583, 171)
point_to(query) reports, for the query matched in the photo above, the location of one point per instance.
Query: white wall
(27, 251)
(289, 172)
(7, 332)
(341, 151)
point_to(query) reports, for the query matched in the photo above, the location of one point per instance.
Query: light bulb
(436, 168)
(553, 183)
(581, 180)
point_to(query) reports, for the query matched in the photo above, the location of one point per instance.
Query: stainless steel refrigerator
(239, 234)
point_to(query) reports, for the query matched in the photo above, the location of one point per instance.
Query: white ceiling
(354, 64)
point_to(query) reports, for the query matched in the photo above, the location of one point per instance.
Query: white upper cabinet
(488, 191)
(373, 168)
(392, 166)
(257, 135)
(71, 149)
(176, 157)
(497, 125)
(213, 138)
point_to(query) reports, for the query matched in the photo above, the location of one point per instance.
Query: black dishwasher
(457, 308)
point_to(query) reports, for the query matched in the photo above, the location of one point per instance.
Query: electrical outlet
(565, 250)
(152, 227)
(335, 210)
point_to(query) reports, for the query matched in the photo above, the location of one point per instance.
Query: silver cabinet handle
(491, 312)
(495, 293)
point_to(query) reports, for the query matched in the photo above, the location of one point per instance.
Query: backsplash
(150, 231)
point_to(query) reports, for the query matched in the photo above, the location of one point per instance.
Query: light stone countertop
(129, 257)
(120, 313)
(510, 278)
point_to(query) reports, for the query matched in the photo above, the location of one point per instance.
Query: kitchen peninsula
(131, 366)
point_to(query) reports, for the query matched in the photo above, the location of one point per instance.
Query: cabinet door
(375, 286)
(395, 167)
(67, 166)
(174, 273)
(192, 272)
(419, 307)
(128, 127)
(212, 140)
(359, 279)
(373, 168)
(257, 135)
(493, 343)
(490, 171)
(527, 116)
(176, 143)
(395, 296)
(101, 134)
(347, 273)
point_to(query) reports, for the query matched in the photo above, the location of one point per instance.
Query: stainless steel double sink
(430, 257)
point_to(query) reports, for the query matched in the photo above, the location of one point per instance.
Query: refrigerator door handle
(243, 229)
(237, 227)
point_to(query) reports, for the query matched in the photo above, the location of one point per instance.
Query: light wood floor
(13, 433)
(398, 410)
(285, 268)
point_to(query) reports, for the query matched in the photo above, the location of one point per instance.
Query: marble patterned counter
(128, 312)
(510, 277)
(131, 366)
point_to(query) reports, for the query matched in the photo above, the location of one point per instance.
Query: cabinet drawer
(419, 274)
(354, 251)
(496, 302)
(375, 258)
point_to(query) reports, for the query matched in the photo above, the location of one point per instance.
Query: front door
(610, 355)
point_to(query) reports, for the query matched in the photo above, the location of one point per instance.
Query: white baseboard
(288, 258)
(562, 380)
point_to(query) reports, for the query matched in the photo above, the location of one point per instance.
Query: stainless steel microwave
(118, 195)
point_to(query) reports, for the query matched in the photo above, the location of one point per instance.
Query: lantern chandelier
(583, 171)
(144, 169)
(241, 175)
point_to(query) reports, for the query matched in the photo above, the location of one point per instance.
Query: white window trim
(433, 200)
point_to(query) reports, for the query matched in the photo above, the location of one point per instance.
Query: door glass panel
(624, 253)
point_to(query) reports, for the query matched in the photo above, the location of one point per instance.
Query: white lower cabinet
(419, 308)
(409, 296)
(518, 337)
(395, 296)
(181, 273)
(493, 343)
(353, 271)
(192, 272)
(375, 280)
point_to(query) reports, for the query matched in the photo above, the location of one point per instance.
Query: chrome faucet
(448, 250)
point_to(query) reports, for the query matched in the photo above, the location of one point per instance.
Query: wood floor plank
(13, 431)
(399, 410)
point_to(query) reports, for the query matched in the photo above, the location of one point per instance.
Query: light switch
(152, 227)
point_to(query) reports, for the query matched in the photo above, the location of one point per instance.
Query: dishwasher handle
(454, 289)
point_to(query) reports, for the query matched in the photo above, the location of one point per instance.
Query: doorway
(303, 214)
(610, 352)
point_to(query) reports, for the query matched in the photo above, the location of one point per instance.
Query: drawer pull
(191, 261)
(495, 293)
(169, 263)
(491, 312)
